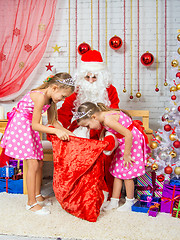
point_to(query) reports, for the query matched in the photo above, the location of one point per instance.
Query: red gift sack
(78, 178)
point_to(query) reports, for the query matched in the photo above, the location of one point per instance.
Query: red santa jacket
(65, 112)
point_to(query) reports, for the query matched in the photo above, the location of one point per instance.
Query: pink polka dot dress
(139, 152)
(20, 140)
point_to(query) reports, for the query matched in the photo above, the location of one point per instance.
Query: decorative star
(2, 57)
(56, 48)
(49, 67)
(28, 48)
(16, 32)
(41, 27)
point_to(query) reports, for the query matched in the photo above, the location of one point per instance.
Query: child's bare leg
(117, 186)
(114, 203)
(31, 182)
(39, 181)
(129, 184)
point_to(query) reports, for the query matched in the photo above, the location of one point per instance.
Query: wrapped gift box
(6, 171)
(13, 186)
(169, 196)
(176, 209)
(175, 181)
(150, 200)
(153, 210)
(18, 164)
(149, 185)
(144, 204)
(140, 207)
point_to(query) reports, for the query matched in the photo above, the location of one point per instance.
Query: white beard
(91, 92)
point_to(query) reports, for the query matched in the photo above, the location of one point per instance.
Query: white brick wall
(151, 100)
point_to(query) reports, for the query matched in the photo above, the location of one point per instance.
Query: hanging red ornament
(147, 59)
(173, 97)
(115, 42)
(179, 108)
(167, 127)
(157, 89)
(160, 178)
(176, 144)
(131, 97)
(168, 170)
(83, 48)
(163, 119)
(178, 74)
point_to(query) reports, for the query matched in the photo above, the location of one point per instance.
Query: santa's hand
(128, 161)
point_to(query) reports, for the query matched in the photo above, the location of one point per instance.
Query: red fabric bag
(78, 178)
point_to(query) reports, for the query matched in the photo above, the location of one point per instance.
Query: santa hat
(92, 61)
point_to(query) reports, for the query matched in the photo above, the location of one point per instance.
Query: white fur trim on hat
(92, 66)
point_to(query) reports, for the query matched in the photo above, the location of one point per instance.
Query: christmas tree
(165, 143)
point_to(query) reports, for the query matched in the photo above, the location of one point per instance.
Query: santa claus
(93, 84)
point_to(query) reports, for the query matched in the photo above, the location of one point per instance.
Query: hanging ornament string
(69, 36)
(131, 96)
(165, 81)
(156, 89)
(91, 24)
(76, 36)
(138, 94)
(106, 32)
(98, 26)
(124, 90)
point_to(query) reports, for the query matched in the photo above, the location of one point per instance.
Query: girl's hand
(62, 134)
(70, 133)
(128, 161)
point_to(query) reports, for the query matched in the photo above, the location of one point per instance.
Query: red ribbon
(138, 124)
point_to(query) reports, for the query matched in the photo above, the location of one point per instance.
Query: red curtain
(25, 28)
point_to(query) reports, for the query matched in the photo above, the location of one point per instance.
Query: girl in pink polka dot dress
(21, 139)
(130, 156)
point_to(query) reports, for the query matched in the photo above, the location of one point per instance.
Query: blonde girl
(21, 139)
(130, 156)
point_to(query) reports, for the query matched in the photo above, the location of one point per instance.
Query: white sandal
(46, 202)
(42, 211)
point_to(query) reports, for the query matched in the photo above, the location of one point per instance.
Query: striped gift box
(149, 185)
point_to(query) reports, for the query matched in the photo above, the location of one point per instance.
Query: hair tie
(48, 78)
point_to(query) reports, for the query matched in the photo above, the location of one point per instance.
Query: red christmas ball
(176, 144)
(178, 74)
(167, 127)
(83, 48)
(147, 59)
(131, 97)
(115, 42)
(168, 170)
(160, 178)
(173, 97)
(157, 89)
(179, 108)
